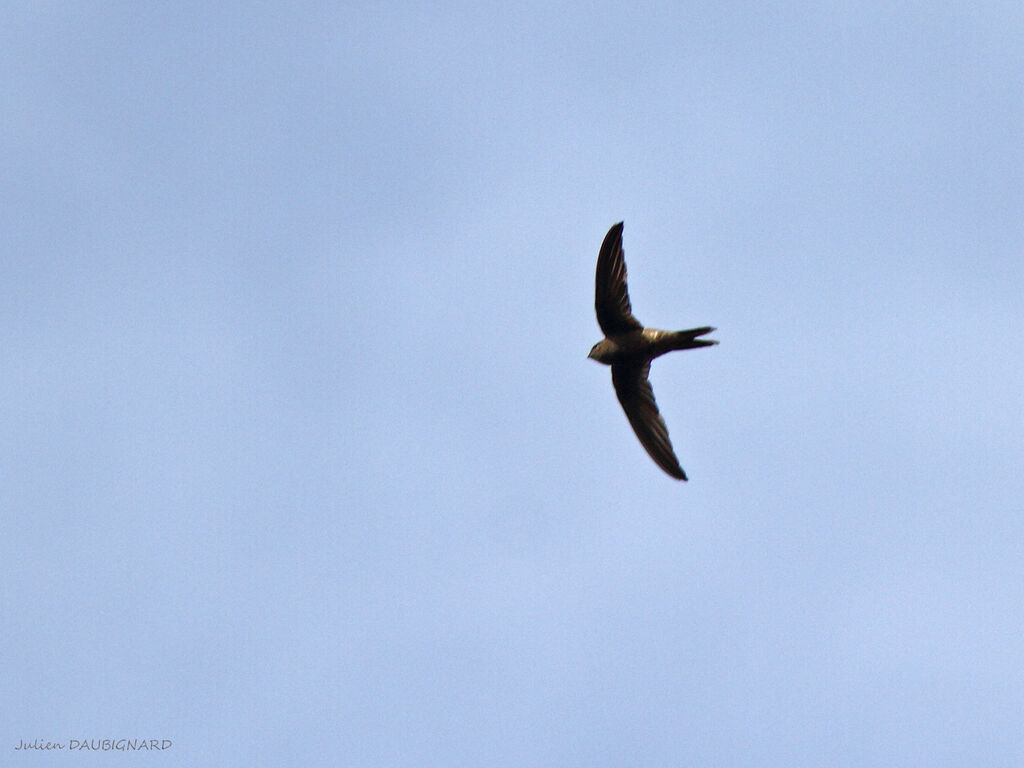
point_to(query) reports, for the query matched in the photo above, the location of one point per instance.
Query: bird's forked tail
(688, 339)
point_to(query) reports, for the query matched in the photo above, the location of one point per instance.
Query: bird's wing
(611, 298)
(634, 392)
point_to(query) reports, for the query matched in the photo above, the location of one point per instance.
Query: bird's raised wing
(634, 392)
(611, 298)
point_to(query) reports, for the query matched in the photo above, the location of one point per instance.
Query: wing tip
(681, 476)
(614, 232)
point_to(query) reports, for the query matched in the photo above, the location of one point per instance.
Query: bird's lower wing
(637, 398)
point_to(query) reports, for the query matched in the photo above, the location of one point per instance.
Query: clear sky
(303, 461)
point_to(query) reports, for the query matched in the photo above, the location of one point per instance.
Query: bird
(628, 347)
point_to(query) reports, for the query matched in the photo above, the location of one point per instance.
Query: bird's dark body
(638, 347)
(629, 348)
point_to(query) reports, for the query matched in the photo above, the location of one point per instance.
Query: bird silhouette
(628, 347)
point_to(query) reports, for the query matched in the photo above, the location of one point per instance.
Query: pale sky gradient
(303, 462)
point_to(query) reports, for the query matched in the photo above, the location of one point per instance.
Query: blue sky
(303, 461)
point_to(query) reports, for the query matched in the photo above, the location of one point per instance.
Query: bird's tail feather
(688, 339)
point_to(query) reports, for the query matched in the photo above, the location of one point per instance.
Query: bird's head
(597, 352)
